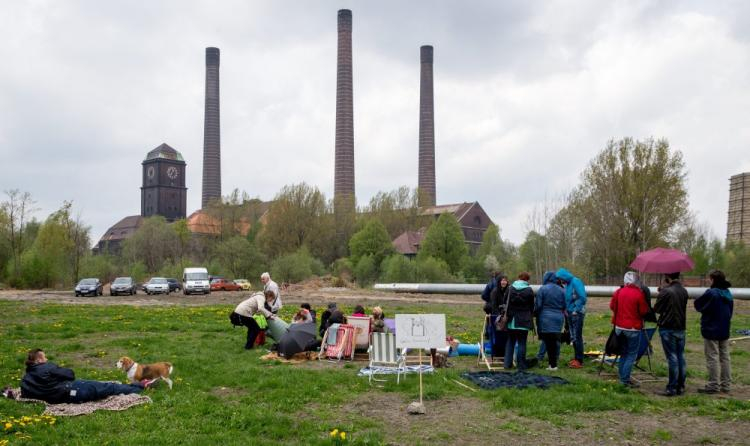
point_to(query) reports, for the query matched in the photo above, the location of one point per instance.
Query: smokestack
(426, 181)
(211, 131)
(343, 187)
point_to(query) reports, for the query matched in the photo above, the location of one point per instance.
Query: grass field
(226, 395)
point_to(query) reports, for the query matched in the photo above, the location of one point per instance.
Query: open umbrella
(662, 260)
(297, 338)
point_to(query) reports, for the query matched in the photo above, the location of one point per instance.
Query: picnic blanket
(744, 332)
(114, 402)
(295, 359)
(518, 380)
(367, 371)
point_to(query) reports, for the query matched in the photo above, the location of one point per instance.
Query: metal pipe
(472, 288)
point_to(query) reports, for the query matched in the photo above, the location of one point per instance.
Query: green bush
(294, 267)
(398, 269)
(100, 266)
(432, 270)
(366, 272)
(343, 269)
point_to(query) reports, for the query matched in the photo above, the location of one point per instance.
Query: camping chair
(362, 328)
(384, 357)
(489, 334)
(340, 345)
(644, 348)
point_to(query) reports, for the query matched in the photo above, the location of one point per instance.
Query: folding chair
(644, 348)
(497, 345)
(362, 328)
(384, 357)
(340, 347)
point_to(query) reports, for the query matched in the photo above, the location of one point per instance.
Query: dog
(151, 372)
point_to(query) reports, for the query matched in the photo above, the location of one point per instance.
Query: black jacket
(521, 307)
(671, 305)
(498, 298)
(47, 382)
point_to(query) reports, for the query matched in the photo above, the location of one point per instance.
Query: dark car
(89, 286)
(174, 285)
(123, 285)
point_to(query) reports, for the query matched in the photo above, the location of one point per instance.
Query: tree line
(631, 197)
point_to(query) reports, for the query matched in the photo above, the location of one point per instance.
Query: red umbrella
(662, 260)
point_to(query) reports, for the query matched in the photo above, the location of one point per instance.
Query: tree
(17, 210)
(372, 239)
(240, 257)
(444, 241)
(398, 269)
(154, 243)
(365, 270)
(292, 268)
(398, 210)
(632, 197)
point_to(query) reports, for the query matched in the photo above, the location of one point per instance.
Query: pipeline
(472, 288)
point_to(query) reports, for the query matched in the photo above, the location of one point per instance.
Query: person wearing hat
(716, 307)
(671, 305)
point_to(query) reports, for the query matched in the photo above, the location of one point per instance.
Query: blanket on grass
(517, 380)
(367, 371)
(114, 402)
(295, 359)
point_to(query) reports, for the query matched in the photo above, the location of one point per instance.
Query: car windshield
(196, 276)
(158, 280)
(216, 280)
(123, 280)
(88, 282)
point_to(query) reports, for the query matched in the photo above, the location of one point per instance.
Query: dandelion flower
(334, 433)
(343, 435)
(8, 426)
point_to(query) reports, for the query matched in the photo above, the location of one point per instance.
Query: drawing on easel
(420, 330)
(417, 327)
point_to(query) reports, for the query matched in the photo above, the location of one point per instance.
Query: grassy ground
(226, 395)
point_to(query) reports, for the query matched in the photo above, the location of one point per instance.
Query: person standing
(671, 305)
(628, 307)
(49, 382)
(549, 308)
(520, 309)
(575, 302)
(269, 285)
(716, 307)
(495, 309)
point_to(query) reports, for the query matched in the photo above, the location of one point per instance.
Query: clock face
(173, 173)
(150, 172)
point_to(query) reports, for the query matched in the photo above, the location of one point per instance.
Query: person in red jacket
(628, 307)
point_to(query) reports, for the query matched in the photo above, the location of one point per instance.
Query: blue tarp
(517, 380)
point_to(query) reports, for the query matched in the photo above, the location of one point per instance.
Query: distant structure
(738, 218)
(426, 180)
(343, 183)
(472, 218)
(211, 131)
(163, 191)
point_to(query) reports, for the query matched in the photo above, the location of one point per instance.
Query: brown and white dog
(137, 372)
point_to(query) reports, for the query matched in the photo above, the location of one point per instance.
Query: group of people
(561, 303)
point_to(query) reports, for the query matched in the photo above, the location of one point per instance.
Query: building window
(477, 220)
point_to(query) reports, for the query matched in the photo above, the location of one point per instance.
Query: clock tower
(163, 191)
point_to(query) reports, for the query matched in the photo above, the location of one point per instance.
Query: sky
(526, 94)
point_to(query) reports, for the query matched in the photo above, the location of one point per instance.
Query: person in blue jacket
(575, 303)
(716, 307)
(549, 308)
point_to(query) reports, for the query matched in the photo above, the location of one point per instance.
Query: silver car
(157, 285)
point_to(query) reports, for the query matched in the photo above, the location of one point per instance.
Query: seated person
(48, 382)
(302, 316)
(359, 311)
(378, 321)
(324, 318)
(313, 314)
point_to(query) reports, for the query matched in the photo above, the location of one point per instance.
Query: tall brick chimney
(426, 181)
(343, 184)
(211, 131)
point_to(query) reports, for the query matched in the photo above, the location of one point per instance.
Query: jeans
(550, 345)
(576, 334)
(516, 337)
(629, 352)
(717, 362)
(673, 343)
(96, 390)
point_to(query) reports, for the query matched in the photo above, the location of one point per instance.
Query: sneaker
(551, 369)
(669, 393)
(708, 391)
(632, 384)
(575, 364)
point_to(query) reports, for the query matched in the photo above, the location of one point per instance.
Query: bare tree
(18, 209)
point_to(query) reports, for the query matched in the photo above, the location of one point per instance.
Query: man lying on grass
(48, 382)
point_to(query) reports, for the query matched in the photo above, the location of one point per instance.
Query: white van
(195, 280)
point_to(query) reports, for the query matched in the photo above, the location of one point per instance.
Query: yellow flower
(8, 426)
(343, 435)
(334, 433)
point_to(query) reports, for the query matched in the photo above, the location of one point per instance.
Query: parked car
(195, 280)
(174, 285)
(89, 286)
(123, 285)
(157, 285)
(244, 284)
(224, 285)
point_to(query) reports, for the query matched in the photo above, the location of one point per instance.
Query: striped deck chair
(362, 327)
(384, 357)
(342, 347)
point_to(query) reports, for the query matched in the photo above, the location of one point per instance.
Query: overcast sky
(526, 93)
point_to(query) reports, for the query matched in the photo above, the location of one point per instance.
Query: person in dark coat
(549, 309)
(49, 382)
(495, 308)
(520, 309)
(575, 301)
(324, 318)
(671, 305)
(716, 307)
(490, 286)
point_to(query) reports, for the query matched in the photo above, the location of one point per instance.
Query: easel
(490, 362)
(649, 372)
